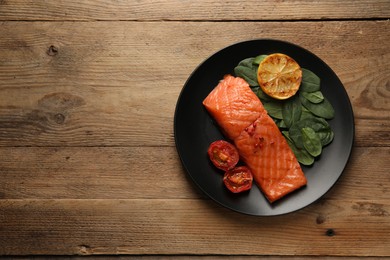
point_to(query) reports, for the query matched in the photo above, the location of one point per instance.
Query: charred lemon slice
(279, 76)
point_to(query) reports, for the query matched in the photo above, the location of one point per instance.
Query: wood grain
(149, 173)
(188, 10)
(88, 164)
(117, 83)
(202, 257)
(152, 226)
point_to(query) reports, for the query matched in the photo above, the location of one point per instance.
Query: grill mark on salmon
(243, 119)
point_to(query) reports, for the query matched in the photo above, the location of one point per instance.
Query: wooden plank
(202, 257)
(368, 131)
(149, 173)
(148, 226)
(117, 83)
(187, 10)
(93, 172)
(187, 257)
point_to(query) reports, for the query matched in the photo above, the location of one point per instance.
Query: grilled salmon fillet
(243, 119)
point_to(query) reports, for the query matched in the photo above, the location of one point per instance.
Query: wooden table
(88, 164)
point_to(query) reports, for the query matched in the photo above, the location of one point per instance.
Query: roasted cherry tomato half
(223, 155)
(238, 179)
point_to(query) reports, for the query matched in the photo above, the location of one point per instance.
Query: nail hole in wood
(330, 232)
(52, 51)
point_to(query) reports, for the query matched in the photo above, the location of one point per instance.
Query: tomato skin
(223, 155)
(238, 179)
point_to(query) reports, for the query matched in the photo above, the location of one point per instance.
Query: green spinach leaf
(310, 81)
(311, 141)
(263, 97)
(314, 97)
(259, 59)
(291, 110)
(280, 123)
(306, 113)
(319, 125)
(326, 136)
(247, 70)
(323, 109)
(274, 109)
(302, 155)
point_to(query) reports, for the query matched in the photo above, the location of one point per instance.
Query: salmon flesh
(262, 147)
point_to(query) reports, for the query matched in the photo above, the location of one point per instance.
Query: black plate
(194, 130)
